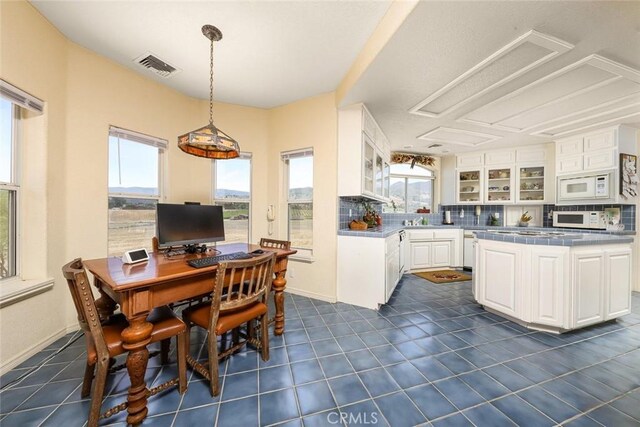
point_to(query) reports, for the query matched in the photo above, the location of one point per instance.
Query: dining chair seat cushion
(165, 325)
(227, 320)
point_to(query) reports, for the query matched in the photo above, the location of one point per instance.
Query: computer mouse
(258, 251)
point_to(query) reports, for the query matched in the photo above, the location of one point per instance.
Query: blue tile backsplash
(354, 204)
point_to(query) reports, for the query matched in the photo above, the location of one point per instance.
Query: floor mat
(444, 276)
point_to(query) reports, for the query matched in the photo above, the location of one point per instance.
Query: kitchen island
(553, 281)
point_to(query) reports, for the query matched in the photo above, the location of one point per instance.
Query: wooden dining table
(139, 288)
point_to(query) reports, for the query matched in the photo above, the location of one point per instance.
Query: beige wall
(66, 204)
(313, 123)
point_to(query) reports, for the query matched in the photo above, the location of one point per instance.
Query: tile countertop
(574, 236)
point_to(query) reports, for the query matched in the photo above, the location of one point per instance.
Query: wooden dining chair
(239, 297)
(276, 244)
(104, 342)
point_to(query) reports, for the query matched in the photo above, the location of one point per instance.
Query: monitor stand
(195, 249)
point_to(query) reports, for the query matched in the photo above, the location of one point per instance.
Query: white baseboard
(308, 294)
(35, 348)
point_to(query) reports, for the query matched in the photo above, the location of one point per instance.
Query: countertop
(574, 237)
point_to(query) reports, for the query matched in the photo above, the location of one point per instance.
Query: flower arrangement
(524, 219)
(371, 217)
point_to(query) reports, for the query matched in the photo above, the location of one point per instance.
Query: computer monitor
(188, 224)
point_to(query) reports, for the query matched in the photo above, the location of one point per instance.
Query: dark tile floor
(430, 357)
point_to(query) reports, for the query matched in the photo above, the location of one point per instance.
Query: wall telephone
(271, 216)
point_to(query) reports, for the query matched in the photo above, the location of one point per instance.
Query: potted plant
(371, 217)
(524, 219)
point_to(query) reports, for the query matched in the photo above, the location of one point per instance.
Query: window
(299, 187)
(232, 191)
(410, 189)
(135, 177)
(9, 189)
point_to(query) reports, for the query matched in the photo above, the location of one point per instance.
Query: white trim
(21, 98)
(307, 294)
(304, 152)
(36, 348)
(15, 289)
(243, 156)
(613, 120)
(134, 136)
(488, 137)
(554, 45)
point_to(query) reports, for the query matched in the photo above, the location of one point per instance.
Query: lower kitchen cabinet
(554, 288)
(435, 249)
(368, 269)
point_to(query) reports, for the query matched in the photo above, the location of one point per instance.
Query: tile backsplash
(353, 205)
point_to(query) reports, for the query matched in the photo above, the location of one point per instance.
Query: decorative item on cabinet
(628, 175)
(494, 219)
(524, 219)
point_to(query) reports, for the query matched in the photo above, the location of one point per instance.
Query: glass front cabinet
(469, 186)
(530, 185)
(368, 160)
(375, 171)
(499, 185)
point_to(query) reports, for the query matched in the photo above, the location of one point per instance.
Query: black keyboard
(213, 260)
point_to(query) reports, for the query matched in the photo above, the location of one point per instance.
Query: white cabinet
(435, 249)
(469, 183)
(363, 155)
(495, 176)
(368, 269)
(554, 288)
(569, 147)
(599, 141)
(598, 160)
(569, 164)
(499, 184)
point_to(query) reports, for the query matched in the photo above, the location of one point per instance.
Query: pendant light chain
(211, 85)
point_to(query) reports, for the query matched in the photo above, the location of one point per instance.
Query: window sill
(15, 289)
(302, 258)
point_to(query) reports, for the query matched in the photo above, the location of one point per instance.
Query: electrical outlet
(349, 213)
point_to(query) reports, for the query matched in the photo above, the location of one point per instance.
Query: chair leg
(102, 369)
(214, 381)
(251, 329)
(88, 379)
(181, 351)
(187, 339)
(235, 336)
(165, 347)
(264, 337)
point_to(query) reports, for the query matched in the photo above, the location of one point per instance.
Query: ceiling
(462, 75)
(271, 53)
(472, 75)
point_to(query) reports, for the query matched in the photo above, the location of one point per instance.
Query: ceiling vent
(156, 65)
(435, 146)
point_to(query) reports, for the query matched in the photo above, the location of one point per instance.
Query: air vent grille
(435, 146)
(156, 65)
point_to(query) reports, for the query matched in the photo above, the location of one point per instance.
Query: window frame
(406, 178)
(245, 156)
(286, 156)
(140, 138)
(13, 187)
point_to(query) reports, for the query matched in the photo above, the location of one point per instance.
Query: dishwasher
(403, 237)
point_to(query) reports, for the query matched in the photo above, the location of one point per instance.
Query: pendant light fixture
(209, 141)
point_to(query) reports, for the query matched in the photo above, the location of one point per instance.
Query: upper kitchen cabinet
(595, 151)
(507, 176)
(363, 155)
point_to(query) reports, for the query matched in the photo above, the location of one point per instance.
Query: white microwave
(584, 219)
(590, 187)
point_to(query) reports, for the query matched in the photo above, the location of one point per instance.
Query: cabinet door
(469, 186)
(587, 282)
(599, 160)
(618, 284)
(599, 141)
(393, 268)
(530, 184)
(499, 157)
(368, 159)
(569, 147)
(527, 155)
(379, 182)
(569, 164)
(469, 160)
(499, 185)
(501, 277)
(548, 286)
(369, 125)
(420, 255)
(386, 180)
(441, 254)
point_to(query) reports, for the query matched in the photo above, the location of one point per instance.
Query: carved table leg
(136, 337)
(279, 283)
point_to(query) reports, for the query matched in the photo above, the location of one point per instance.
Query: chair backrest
(276, 244)
(245, 281)
(88, 316)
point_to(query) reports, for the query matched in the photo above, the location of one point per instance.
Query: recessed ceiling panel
(586, 122)
(523, 54)
(586, 85)
(458, 136)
